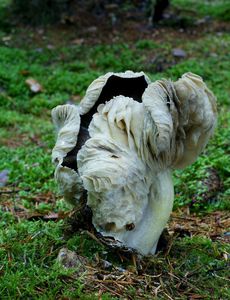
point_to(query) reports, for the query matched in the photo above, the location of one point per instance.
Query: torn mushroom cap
(66, 119)
(94, 90)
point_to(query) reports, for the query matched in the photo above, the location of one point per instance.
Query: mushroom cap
(95, 88)
(137, 132)
(71, 135)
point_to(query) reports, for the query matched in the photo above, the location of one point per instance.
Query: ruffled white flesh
(126, 164)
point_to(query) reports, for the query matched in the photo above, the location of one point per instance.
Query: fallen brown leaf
(34, 85)
(24, 72)
(78, 41)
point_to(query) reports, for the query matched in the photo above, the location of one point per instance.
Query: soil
(114, 26)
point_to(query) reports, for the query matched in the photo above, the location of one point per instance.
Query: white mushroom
(132, 134)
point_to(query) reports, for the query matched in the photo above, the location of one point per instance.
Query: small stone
(119, 269)
(4, 177)
(177, 52)
(106, 264)
(39, 50)
(91, 29)
(213, 54)
(70, 259)
(50, 47)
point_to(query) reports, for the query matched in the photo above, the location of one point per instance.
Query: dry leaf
(6, 38)
(196, 296)
(78, 41)
(76, 98)
(34, 86)
(24, 72)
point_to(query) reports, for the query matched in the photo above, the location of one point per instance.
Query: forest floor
(35, 223)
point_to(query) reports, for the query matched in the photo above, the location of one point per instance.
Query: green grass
(28, 254)
(219, 9)
(28, 248)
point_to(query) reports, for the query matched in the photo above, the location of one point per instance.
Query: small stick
(13, 191)
(93, 237)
